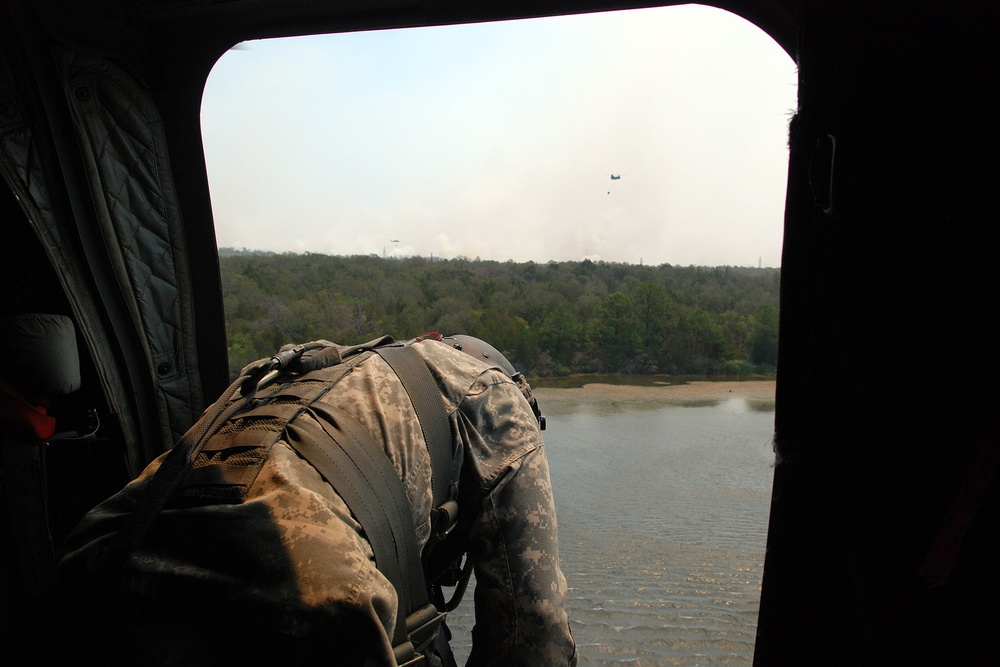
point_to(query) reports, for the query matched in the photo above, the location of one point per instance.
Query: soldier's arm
(520, 588)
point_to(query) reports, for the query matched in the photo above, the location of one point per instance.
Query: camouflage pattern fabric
(303, 566)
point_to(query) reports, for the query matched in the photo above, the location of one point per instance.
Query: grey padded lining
(126, 158)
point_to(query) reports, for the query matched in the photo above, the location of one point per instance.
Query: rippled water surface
(662, 521)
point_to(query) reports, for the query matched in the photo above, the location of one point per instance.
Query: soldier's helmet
(480, 349)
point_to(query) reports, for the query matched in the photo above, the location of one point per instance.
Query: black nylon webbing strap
(237, 451)
(425, 396)
(166, 480)
(373, 461)
(355, 465)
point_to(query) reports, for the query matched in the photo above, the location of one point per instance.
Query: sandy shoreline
(693, 392)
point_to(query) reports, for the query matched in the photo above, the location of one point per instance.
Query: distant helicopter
(615, 177)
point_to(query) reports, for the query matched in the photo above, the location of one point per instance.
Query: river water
(662, 514)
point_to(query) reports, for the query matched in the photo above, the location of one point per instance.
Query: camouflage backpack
(218, 460)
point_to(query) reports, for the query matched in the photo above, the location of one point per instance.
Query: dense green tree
(656, 315)
(560, 335)
(735, 335)
(697, 344)
(617, 331)
(764, 336)
(556, 317)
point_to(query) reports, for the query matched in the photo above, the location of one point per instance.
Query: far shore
(698, 391)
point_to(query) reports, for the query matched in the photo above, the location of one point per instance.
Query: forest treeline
(549, 319)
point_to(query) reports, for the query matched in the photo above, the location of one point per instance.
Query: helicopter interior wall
(887, 395)
(72, 475)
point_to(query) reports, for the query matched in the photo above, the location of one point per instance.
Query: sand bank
(758, 391)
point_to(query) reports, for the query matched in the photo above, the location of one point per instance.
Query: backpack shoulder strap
(425, 396)
(350, 460)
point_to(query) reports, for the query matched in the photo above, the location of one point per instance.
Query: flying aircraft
(884, 532)
(615, 177)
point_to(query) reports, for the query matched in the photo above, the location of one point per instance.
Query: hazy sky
(499, 140)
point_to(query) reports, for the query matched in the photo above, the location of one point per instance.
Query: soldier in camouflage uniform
(520, 589)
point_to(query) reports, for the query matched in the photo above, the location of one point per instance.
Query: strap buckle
(421, 628)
